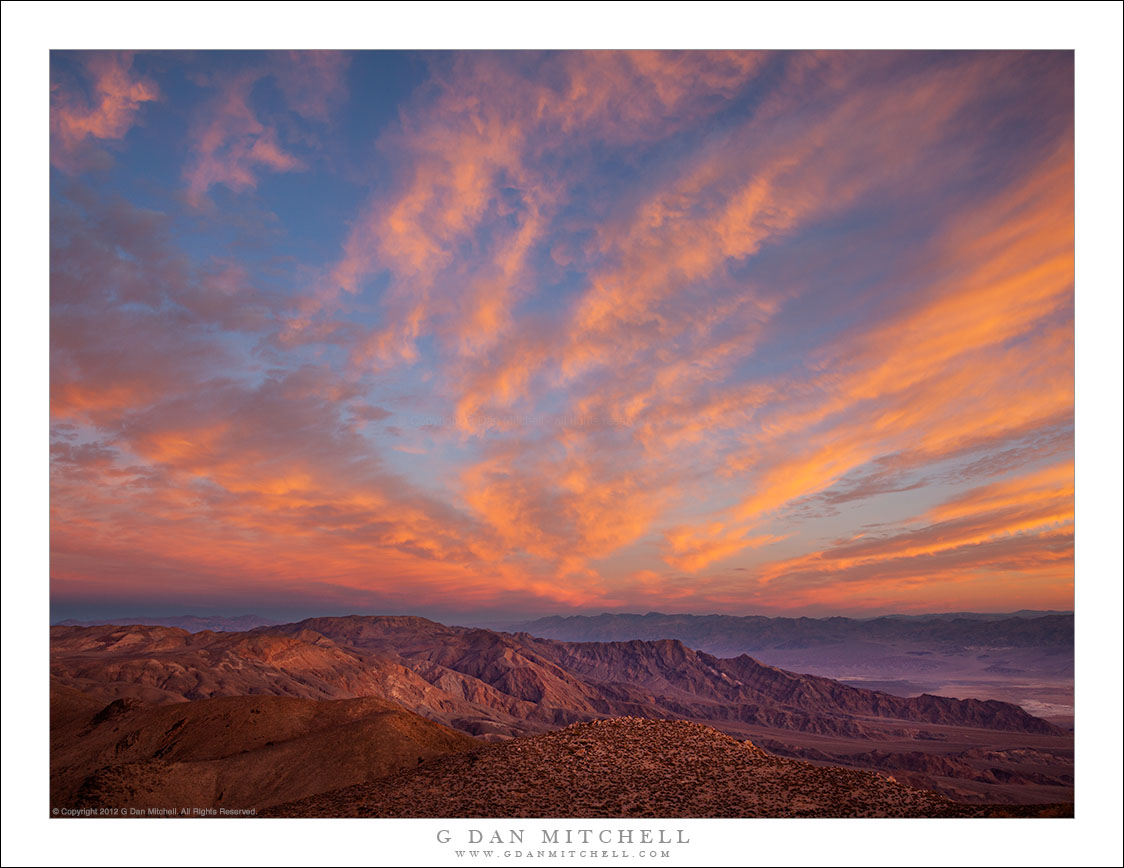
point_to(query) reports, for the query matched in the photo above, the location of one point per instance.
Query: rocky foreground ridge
(634, 767)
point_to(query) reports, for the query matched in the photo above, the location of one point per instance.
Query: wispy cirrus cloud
(601, 329)
(1017, 530)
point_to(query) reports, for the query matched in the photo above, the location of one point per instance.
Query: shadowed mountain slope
(234, 751)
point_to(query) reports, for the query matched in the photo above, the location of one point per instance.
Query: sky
(498, 335)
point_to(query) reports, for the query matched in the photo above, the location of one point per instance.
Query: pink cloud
(105, 110)
(232, 144)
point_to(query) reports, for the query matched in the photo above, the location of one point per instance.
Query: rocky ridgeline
(625, 767)
(484, 682)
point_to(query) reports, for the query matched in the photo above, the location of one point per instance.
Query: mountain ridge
(408, 657)
(499, 686)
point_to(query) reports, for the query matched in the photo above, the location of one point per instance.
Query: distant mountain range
(191, 623)
(1023, 657)
(543, 626)
(735, 634)
(980, 616)
(482, 673)
(485, 682)
(496, 686)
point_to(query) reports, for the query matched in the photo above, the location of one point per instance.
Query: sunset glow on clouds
(518, 333)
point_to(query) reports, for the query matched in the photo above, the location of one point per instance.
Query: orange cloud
(691, 549)
(977, 360)
(1015, 534)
